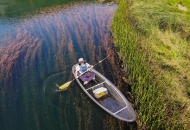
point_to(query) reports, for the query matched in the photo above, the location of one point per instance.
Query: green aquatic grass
(153, 42)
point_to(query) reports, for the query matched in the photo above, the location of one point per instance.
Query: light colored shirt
(78, 69)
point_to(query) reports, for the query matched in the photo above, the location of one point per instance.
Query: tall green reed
(154, 108)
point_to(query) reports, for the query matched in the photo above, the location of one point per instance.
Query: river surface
(40, 40)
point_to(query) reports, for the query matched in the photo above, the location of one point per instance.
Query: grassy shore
(153, 41)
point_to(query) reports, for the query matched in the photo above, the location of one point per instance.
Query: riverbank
(152, 40)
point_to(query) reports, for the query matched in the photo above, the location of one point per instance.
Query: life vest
(83, 68)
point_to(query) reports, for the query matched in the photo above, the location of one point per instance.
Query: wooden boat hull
(114, 102)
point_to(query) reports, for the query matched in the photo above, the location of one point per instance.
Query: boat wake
(50, 89)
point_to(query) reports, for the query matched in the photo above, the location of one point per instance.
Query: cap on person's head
(81, 60)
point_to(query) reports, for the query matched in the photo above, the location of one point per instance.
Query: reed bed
(153, 43)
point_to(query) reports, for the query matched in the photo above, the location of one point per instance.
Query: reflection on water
(12, 8)
(41, 49)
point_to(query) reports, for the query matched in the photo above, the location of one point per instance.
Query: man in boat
(81, 71)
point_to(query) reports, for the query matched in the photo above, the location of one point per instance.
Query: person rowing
(77, 75)
(81, 71)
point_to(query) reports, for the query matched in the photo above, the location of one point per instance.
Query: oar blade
(65, 86)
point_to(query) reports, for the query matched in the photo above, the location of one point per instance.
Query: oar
(66, 85)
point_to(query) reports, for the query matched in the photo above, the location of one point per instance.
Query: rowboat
(107, 96)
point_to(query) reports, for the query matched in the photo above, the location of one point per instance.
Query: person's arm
(77, 68)
(89, 66)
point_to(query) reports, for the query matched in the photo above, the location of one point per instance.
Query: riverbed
(40, 41)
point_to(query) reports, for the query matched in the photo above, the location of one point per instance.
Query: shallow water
(39, 44)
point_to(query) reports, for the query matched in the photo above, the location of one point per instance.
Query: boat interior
(111, 100)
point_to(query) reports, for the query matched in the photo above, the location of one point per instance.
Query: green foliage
(159, 14)
(150, 38)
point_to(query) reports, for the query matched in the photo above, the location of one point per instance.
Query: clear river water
(40, 40)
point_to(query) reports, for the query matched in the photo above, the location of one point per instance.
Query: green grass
(153, 41)
(181, 2)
